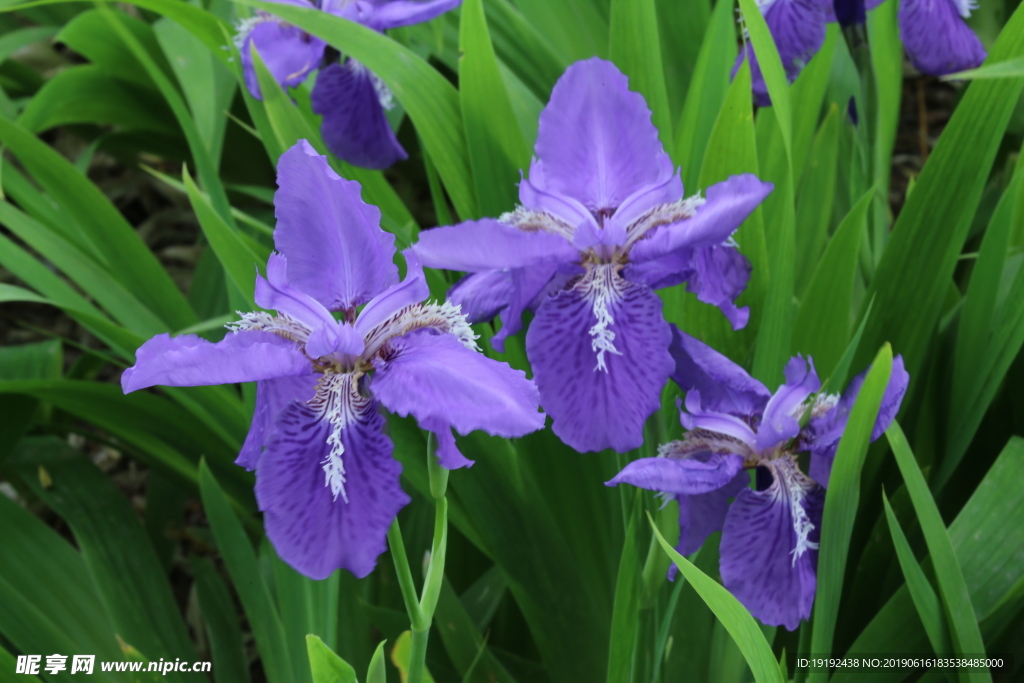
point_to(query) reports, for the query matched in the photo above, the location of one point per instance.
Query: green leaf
(94, 280)
(222, 627)
(771, 68)
(117, 553)
(244, 569)
(731, 149)
(734, 616)
(815, 200)
(430, 100)
(520, 45)
(635, 47)
(707, 92)
(807, 95)
(989, 552)
(377, 672)
(87, 94)
(90, 35)
(493, 138)
(1010, 68)
(626, 609)
(207, 83)
(962, 620)
(239, 261)
(467, 649)
(822, 327)
(922, 250)
(929, 609)
(575, 29)
(842, 500)
(130, 261)
(327, 667)
(43, 360)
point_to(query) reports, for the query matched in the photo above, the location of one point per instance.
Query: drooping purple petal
(337, 252)
(434, 377)
(821, 436)
(289, 53)
(354, 126)
(724, 386)
(704, 514)
(718, 275)
(798, 29)
(595, 139)
(530, 285)
(689, 476)
(398, 13)
(482, 295)
(486, 244)
(272, 396)
(191, 361)
(936, 38)
(769, 547)
(781, 420)
(600, 378)
(311, 529)
(448, 454)
(412, 290)
(728, 205)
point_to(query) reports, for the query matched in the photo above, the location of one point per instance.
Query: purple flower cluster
(349, 97)
(934, 33)
(603, 223)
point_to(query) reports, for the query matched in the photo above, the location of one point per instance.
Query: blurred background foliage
(137, 185)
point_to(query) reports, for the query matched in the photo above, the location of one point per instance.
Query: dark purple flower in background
(349, 97)
(325, 478)
(937, 39)
(603, 223)
(769, 547)
(798, 28)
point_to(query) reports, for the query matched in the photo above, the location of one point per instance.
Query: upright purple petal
(487, 244)
(354, 127)
(822, 435)
(311, 529)
(937, 40)
(191, 361)
(723, 385)
(781, 420)
(289, 53)
(728, 204)
(482, 295)
(769, 548)
(595, 139)
(689, 476)
(600, 359)
(398, 13)
(434, 377)
(798, 28)
(412, 290)
(337, 252)
(272, 396)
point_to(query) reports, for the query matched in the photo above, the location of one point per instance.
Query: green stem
(418, 655)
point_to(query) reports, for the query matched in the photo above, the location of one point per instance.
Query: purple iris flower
(351, 99)
(769, 547)
(325, 478)
(603, 223)
(936, 38)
